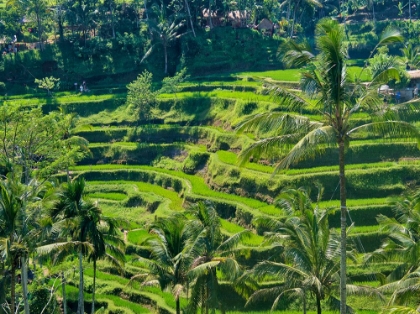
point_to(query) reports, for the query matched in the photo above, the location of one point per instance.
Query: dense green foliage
(160, 160)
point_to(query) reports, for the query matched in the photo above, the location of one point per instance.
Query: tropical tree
(11, 204)
(209, 252)
(35, 150)
(324, 77)
(38, 9)
(75, 218)
(140, 95)
(402, 245)
(39, 149)
(293, 7)
(168, 264)
(107, 244)
(311, 253)
(91, 234)
(411, 55)
(165, 32)
(18, 221)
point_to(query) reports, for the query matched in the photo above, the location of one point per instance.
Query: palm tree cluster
(50, 225)
(401, 246)
(188, 253)
(324, 78)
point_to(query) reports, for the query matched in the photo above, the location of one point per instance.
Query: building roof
(237, 15)
(265, 24)
(414, 74)
(206, 13)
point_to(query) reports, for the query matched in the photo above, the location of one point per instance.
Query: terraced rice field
(139, 171)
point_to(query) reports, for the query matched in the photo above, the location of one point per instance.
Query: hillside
(159, 155)
(188, 152)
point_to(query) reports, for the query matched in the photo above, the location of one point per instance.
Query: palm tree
(168, 263)
(402, 245)
(296, 4)
(106, 241)
(209, 251)
(92, 234)
(17, 227)
(311, 252)
(74, 217)
(38, 9)
(165, 32)
(11, 204)
(324, 77)
(411, 55)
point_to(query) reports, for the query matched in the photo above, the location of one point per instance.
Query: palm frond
(390, 35)
(312, 144)
(364, 291)
(202, 269)
(227, 245)
(390, 129)
(394, 309)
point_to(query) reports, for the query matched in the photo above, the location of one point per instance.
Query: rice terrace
(235, 157)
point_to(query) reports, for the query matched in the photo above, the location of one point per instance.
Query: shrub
(39, 297)
(194, 161)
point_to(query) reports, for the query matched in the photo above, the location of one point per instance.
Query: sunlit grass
(138, 236)
(108, 196)
(355, 202)
(197, 183)
(231, 228)
(232, 159)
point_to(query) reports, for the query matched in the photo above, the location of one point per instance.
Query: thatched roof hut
(238, 18)
(265, 24)
(414, 74)
(213, 16)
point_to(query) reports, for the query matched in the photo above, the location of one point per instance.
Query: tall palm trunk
(145, 10)
(60, 29)
(94, 286)
(343, 202)
(409, 9)
(38, 20)
(178, 307)
(296, 8)
(2, 289)
(81, 302)
(12, 287)
(24, 269)
(24, 277)
(112, 21)
(373, 12)
(189, 15)
(318, 305)
(63, 287)
(210, 20)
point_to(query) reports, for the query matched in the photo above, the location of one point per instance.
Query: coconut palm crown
(324, 77)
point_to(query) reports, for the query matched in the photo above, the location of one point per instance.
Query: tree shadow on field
(197, 107)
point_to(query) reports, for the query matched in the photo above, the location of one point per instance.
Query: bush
(39, 297)
(194, 161)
